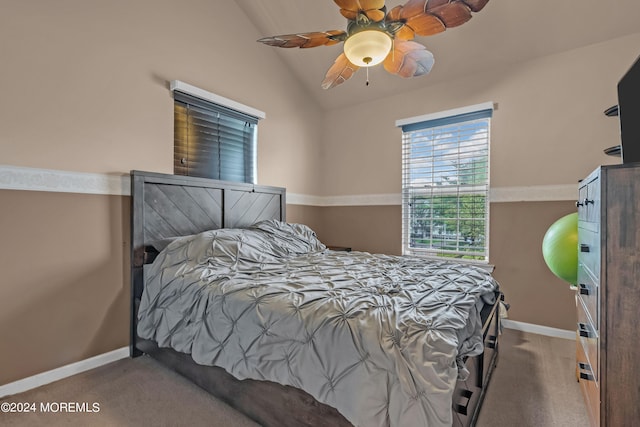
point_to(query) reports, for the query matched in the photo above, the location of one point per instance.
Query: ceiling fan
(374, 35)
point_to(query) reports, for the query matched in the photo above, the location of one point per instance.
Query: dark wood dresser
(608, 297)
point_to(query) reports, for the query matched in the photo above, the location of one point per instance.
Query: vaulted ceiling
(503, 33)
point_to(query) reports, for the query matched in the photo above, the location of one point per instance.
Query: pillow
(294, 239)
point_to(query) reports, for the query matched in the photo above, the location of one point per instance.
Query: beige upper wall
(85, 89)
(85, 86)
(549, 127)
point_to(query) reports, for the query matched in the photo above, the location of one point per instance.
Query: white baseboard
(62, 372)
(538, 329)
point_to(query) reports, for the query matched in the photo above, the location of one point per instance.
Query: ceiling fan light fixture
(373, 35)
(367, 48)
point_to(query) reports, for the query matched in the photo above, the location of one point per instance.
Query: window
(445, 183)
(212, 140)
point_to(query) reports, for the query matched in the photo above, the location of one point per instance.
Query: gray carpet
(533, 385)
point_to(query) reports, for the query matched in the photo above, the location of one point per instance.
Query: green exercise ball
(560, 248)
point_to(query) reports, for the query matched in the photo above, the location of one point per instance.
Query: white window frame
(434, 121)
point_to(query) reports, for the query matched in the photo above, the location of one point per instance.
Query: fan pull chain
(367, 84)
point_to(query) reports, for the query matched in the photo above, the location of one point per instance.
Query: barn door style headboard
(165, 206)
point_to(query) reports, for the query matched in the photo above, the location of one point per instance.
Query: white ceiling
(504, 32)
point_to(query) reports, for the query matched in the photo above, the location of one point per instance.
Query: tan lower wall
(516, 230)
(374, 229)
(534, 293)
(309, 215)
(64, 291)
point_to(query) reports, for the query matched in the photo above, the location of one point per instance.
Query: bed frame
(165, 206)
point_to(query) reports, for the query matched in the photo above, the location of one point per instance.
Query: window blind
(213, 141)
(445, 185)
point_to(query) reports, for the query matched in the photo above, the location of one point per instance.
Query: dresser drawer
(589, 387)
(589, 251)
(588, 292)
(583, 192)
(589, 337)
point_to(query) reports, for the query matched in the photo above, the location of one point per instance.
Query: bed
(259, 313)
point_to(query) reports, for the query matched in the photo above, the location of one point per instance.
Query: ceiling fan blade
(451, 14)
(371, 4)
(416, 19)
(348, 4)
(394, 14)
(413, 8)
(373, 9)
(476, 5)
(306, 40)
(409, 59)
(426, 24)
(428, 17)
(349, 14)
(375, 15)
(357, 5)
(405, 33)
(397, 25)
(341, 71)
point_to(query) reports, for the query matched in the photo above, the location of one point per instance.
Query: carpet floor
(534, 384)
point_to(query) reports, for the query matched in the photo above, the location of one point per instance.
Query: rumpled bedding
(377, 337)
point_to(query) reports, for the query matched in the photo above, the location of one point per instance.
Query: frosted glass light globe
(367, 48)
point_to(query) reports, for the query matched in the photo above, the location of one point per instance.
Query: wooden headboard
(164, 206)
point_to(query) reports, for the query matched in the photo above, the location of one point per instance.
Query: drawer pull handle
(584, 289)
(460, 408)
(578, 204)
(586, 330)
(584, 247)
(492, 342)
(586, 375)
(588, 202)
